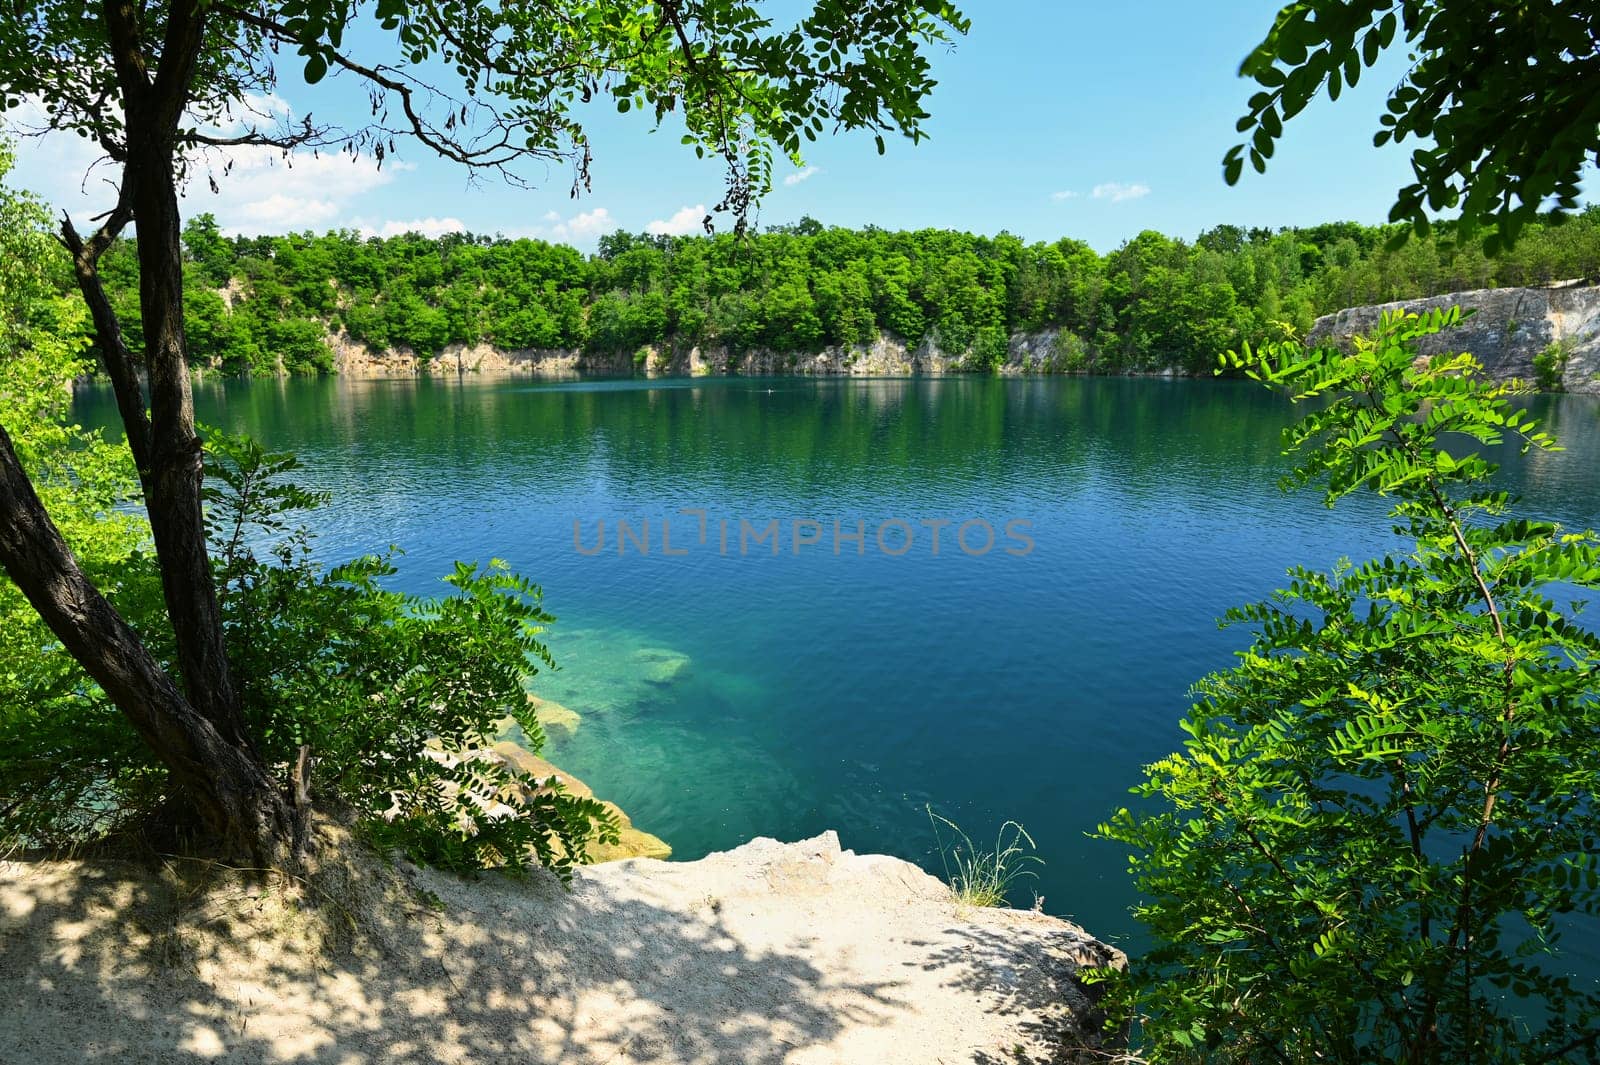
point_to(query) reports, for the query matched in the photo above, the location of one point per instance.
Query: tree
(1383, 820)
(1508, 93)
(152, 85)
(86, 482)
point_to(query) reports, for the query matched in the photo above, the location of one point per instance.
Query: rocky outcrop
(1046, 351)
(769, 954)
(1511, 328)
(356, 360)
(884, 357)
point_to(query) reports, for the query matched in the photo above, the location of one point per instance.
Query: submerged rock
(660, 665)
(553, 717)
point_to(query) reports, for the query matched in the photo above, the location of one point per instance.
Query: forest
(265, 305)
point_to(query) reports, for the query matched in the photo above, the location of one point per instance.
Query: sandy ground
(769, 953)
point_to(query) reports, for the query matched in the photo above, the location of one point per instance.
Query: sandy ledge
(796, 953)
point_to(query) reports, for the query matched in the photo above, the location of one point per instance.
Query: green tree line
(264, 305)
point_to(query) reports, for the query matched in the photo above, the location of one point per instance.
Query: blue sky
(1051, 119)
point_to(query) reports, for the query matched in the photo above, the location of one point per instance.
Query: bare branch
(256, 138)
(496, 150)
(119, 361)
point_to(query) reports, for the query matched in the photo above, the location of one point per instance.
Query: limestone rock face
(885, 356)
(1511, 328)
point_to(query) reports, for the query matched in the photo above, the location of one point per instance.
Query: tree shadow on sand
(108, 961)
(1030, 970)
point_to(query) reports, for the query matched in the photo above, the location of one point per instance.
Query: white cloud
(685, 221)
(278, 213)
(259, 191)
(428, 227)
(580, 230)
(802, 175)
(262, 192)
(1116, 192)
(583, 226)
(1064, 194)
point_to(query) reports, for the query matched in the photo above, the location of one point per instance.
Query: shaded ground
(770, 953)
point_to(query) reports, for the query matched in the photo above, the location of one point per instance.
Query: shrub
(1550, 366)
(65, 750)
(990, 346)
(383, 704)
(1068, 354)
(391, 696)
(1382, 822)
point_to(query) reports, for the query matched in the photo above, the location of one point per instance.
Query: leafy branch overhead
(1507, 94)
(495, 86)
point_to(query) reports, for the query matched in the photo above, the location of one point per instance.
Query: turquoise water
(728, 695)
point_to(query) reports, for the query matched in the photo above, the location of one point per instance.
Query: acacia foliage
(388, 693)
(1498, 98)
(264, 305)
(1382, 826)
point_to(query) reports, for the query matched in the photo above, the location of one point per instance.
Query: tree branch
(497, 153)
(127, 56)
(119, 362)
(254, 138)
(180, 51)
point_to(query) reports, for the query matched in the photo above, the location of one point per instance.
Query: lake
(727, 691)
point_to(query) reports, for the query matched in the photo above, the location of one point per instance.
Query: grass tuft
(984, 877)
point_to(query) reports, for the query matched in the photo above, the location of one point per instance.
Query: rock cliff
(1512, 328)
(887, 356)
(769, 954)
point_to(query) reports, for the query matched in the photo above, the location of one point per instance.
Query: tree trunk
(235, 796)
(201, 737)
(173, 478)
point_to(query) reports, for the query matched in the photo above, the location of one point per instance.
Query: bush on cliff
(362, 698)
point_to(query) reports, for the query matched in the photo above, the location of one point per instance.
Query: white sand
(770, 953)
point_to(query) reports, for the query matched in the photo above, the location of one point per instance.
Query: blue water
(725, 696)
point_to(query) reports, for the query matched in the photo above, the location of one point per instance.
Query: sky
(1052, 118)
